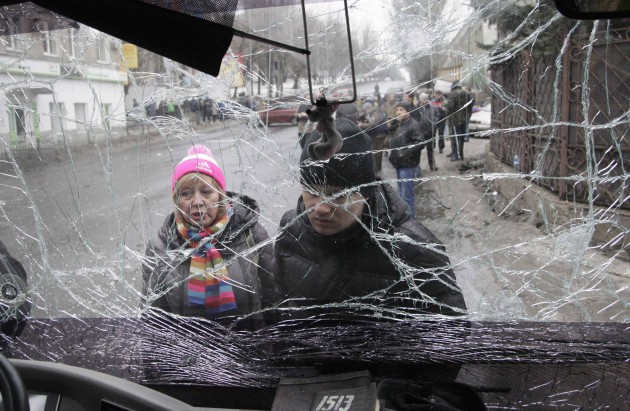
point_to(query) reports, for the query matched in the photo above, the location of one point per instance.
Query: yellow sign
(231, 72)
(130, 54)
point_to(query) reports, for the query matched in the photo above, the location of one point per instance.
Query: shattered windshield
(476, 170)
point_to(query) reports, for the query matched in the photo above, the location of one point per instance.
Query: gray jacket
(167, 264)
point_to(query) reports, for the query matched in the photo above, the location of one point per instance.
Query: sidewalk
(508, 263)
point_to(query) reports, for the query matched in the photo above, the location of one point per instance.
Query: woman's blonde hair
(193, 177)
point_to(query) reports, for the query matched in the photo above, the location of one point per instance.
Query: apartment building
(59, 86)
(466, 60)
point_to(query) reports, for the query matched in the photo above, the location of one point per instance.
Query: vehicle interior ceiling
(534, 220)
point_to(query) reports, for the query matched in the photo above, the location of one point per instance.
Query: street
(98, 211)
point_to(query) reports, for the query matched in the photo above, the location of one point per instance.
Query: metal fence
(543, 110)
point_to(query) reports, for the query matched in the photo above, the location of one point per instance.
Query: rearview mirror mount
(593, 9)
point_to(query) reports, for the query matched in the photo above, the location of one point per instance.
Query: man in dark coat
(406, 145)
(351, 239)
(429, 112)
(458, 111)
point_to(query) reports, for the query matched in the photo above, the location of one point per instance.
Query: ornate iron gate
(568, 120)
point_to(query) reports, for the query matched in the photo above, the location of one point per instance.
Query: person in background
(429, 112)
(214, 110)
(337, 244)
(348, 111)
(374, 123)
(211, 257)
(409, 99)
(206, 106)
(438, 102)
(389, 109)
(471, 97)
(389, 106)
(458, 112)
(405, 148)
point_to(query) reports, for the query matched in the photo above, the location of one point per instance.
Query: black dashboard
(60, 387)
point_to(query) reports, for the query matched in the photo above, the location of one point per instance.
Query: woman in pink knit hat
(211, 258)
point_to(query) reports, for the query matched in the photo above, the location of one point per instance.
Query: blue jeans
(405, 188)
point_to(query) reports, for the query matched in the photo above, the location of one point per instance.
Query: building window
(49, 41)
(15, 40)
(74, 38)
(102, 50)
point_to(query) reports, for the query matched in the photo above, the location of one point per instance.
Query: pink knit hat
(198, 160)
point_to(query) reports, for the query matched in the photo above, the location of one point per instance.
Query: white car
(480, 120)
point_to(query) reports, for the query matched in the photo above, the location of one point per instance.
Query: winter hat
(404, 105)
(198, 160)
(366, 106)
(351, 166)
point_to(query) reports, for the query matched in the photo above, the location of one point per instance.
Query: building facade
(59, 86)
(467, 60)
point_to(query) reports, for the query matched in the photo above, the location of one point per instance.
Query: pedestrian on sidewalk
(206, 109)
(351, 238)
(458, 111)
(388, 107)
(413, 109)
(201, 263)
(214, 110)
(405, 148)
(439, 103)
(374, 123)
(429, 112)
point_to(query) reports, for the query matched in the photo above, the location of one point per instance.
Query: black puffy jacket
(393, 263)
(408, 141)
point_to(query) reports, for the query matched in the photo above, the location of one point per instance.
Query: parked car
(480, 120)
(280, 114)
(343, 93)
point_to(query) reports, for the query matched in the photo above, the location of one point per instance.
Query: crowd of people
(352, 238)
(401, 128)
(447, 114)
(201, 110)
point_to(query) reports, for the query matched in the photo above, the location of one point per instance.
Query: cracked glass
(506, 244)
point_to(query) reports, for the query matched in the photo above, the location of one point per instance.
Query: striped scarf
(208, 284)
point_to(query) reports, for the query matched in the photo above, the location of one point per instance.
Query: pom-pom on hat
(198, 160)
